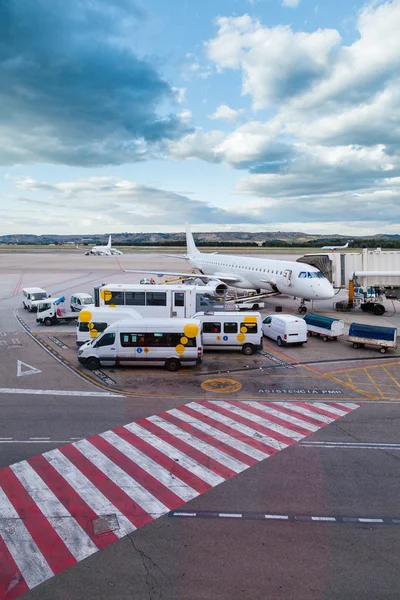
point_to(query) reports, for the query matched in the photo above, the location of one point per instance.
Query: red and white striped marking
(138, 472)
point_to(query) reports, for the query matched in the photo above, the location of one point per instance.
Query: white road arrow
(24, 369)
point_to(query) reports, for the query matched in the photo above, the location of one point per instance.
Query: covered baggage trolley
(327, 328)
(361, 335)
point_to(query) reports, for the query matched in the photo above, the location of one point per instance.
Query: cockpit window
(303, 274)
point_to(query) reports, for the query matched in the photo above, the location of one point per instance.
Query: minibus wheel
(93, 363)
(173, 364)
(248, 349)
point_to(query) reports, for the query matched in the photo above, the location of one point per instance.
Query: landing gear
(302, 308)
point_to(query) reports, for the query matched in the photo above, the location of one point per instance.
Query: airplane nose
(324, 290)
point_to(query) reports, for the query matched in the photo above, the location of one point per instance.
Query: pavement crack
(153, 583)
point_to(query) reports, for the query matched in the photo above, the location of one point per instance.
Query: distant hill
(228, 238)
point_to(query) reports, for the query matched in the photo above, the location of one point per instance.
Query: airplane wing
(217, 277)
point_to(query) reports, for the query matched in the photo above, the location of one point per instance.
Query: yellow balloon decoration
(180, 349)
(85, 316)
(191, 330)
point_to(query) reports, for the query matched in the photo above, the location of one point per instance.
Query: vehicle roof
(288, 318)
(160, 322)
(104, 310)
(82, 294)
(220, 313)
(34, 290)
(139, 287)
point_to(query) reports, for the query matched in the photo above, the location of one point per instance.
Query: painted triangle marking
(29, 370)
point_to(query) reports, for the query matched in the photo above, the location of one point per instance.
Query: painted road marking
(259, 516)
(25, 369)
(352, 445)
(59, 393)
(301, 392)
(58, 342)
(51, 504)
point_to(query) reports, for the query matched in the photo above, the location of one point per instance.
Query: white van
(285, 329)
(32, 297)
(81, 300)
(231, 331)
(147, 342)
(93, 321)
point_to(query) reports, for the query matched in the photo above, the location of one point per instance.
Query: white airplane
(335, 247)
(103, 250)
(262, 274)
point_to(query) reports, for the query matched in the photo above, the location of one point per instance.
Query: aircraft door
(287, 276)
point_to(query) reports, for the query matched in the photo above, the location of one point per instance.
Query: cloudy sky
(139, 115)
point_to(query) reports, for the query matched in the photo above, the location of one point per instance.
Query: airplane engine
(215, 288)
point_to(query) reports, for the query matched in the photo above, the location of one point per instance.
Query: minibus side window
(211, 327)
(116, 298)
(179, 299)
(158, 340)
(100, 326)
(230, 327)
(251, 327)
(135, 298)
(129, 340)
(83, 326)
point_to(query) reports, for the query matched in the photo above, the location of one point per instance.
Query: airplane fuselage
(286, 277)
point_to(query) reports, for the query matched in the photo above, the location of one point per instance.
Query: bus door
(178, 305)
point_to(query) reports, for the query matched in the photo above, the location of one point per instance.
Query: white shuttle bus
(231, 331)
(93, 321)
(172, 300)
(171, 343)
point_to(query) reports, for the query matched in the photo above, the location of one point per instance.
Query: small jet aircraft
(261, 274)
(335, 247)
(104, 250)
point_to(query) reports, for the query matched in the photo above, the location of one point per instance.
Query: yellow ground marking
(374, 383)
(341, 382)
(221, 385)
(391, 377)
(397, 362)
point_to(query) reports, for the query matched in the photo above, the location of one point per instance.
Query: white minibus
(93, 321)
(285, 329)
(231, 331)
(146, 342)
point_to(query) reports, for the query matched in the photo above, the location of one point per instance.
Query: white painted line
(323, 519)
(59, 393)
(371, 520)
(178, 514)
(11, 441)
(6, 438)
(39, 438)
(329, 408)
(184, 460)
(30, 561)
(234, 515)
(74, 537)
(244, 429)
(219, 435)
(311, 413)
(29, 370)
(285, 417)
(281, 517)
(228, 461)
(88, 491)
(178, 487)
(264, 422)
(130, 486)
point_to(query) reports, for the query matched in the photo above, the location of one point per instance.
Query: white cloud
(180, 94)
(291, 3)
(225, 112)
(276, 62)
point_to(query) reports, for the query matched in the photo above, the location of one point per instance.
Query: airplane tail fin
(347, 245)
(191, 246)
(109, 242)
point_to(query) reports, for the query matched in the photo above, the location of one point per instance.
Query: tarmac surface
(292, 455)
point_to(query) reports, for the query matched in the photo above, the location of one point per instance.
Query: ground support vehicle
(171, 343)
(158, 301)
(80, 300)
(285, 329)
(231, 331)
(93, 321)
(361, 335)
(32, 297)
(52, 311)
(325, 327)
